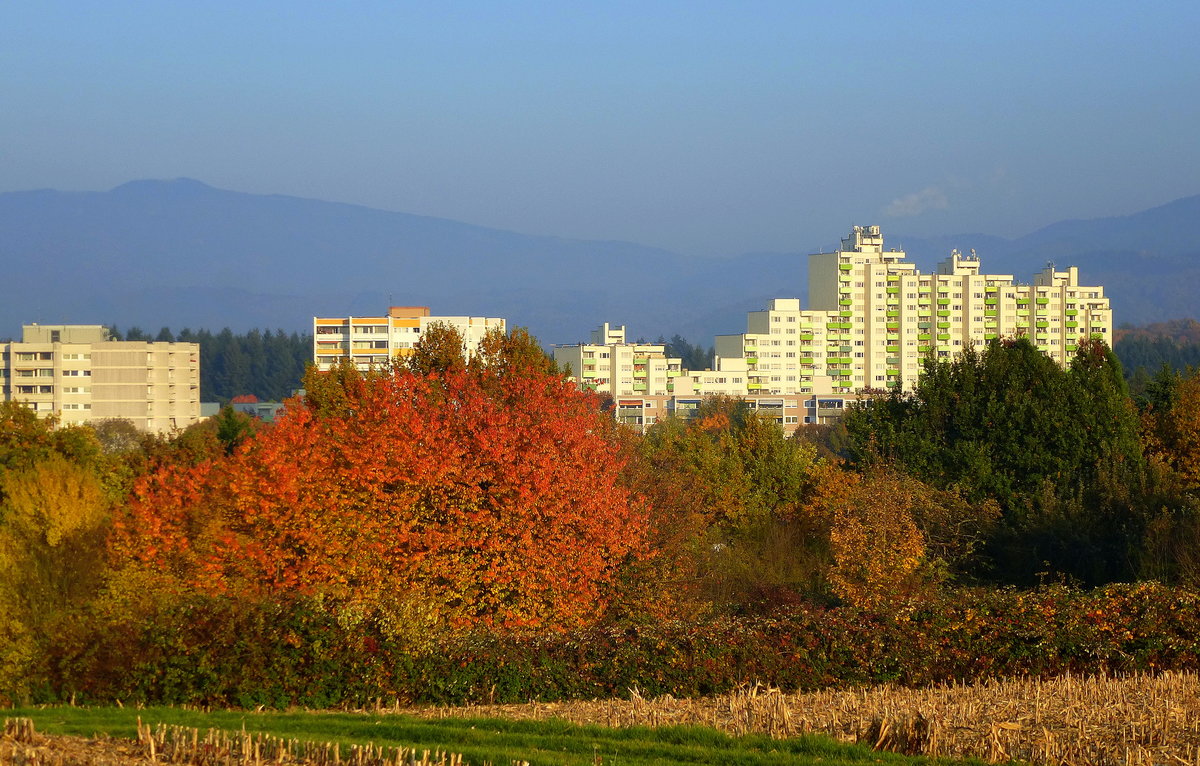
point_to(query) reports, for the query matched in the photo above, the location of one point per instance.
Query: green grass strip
(482, 740)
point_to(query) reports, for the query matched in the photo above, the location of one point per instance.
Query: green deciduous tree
(1051, 446)
(730, 504)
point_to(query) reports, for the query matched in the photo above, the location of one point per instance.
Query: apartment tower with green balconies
(873, 318)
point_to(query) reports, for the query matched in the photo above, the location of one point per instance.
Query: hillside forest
(464, 530)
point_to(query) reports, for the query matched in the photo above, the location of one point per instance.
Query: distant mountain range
(183, 254)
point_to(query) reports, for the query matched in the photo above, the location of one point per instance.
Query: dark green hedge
(224, 652)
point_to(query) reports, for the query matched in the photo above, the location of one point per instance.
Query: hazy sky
(696, 126)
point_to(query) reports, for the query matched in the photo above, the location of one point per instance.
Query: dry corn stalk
(1138, 719)
(181, 745)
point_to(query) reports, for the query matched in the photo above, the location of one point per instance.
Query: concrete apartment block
(374, 340)
(78, 373)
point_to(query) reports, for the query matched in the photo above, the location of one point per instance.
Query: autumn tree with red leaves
(484, 495)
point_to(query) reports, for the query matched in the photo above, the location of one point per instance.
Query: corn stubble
(1143, 719)
(20, 745)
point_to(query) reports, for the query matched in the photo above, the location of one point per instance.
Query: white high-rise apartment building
(78, 373)
(874, 317)
(611, 365)
(375, 340)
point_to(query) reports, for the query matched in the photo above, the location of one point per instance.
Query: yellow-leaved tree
(878, 550)
(53, 518)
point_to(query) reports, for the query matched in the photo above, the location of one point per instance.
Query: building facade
(78, 373)
(611, 365)
(873, 319)
(375, 340)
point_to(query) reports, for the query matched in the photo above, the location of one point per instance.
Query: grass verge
(481, 740)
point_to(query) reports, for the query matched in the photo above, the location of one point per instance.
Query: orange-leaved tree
(487, 495)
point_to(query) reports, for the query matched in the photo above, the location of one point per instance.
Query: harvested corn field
(1068, 720)
(22, 745)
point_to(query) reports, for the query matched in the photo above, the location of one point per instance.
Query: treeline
(266, 364)
(693, 357)
(402, 520)
(1145, 351)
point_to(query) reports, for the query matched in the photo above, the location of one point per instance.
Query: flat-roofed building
(872, 321)
(875, 318)
(79, 373)
(609, 364)
(375, 340)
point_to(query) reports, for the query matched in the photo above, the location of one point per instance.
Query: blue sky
(701, 127)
